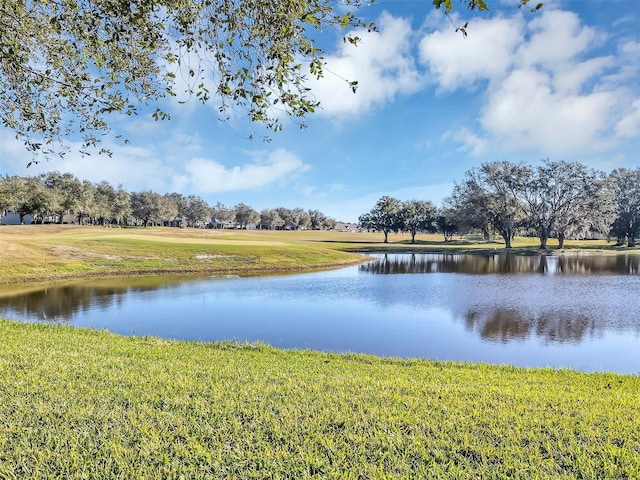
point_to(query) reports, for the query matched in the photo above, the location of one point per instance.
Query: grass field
(78, 403)
(50, 252)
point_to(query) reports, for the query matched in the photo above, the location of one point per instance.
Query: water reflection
(61, 304)
(508, 324)
(392, 264)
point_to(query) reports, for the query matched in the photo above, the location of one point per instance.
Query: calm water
(581, 312)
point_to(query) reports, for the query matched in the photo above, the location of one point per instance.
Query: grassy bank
(51, 252)
(79, 403)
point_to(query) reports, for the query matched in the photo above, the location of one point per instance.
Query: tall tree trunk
(560, 240)
(413, 236)
(506, 235)
(543, 241)
(386, 235)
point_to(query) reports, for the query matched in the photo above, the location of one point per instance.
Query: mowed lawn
(77, 403)
(33, 252)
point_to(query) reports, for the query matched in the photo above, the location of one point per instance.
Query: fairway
(56, 252)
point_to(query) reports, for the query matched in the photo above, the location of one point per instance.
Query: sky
(561, 84)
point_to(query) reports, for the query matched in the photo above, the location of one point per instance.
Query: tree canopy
(418, 216)
(556, 198)
(553, 199)
(626, 185)
(384, 216)
(67, 66)
(565, 199)
(53, 197)
(489, 197)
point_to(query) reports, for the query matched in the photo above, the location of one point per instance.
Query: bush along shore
(79, 403)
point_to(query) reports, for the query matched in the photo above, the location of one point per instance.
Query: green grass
(78, 403)
(84, 404)
(52, 252)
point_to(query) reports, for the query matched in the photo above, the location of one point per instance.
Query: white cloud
(571, 79)
(556, 37)
(629, 125)
(546, 90)
(381, 63)
(314, 192)
(525, 112)
(457, 62)
(471, 142)
(162, 167)
(208, 176)
(13, 153)
(149, 171)
(628, 73)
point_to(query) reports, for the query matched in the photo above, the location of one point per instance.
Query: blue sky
(563, 84)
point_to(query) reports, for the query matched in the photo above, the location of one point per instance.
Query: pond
(580, 312)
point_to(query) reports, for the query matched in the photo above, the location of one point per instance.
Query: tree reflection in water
(504, 320)
(507, 324)
(60, 304)
(393, 264)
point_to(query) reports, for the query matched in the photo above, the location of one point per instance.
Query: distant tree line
(55, 197)
(553, 200)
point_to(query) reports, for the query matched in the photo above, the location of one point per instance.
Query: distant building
(346, 227)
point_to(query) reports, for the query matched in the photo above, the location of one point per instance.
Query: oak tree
(626, 186)
(418, 216)
(66, 66)
(492, 191)
(383, 217)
